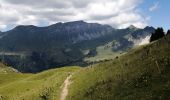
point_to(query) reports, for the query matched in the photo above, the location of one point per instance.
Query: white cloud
(154, 6)
(118, 13)
(142, 41)
(2, 27)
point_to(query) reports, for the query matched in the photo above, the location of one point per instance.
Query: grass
(141, 74)
(6, 69)
(41, 86)
(103, 52)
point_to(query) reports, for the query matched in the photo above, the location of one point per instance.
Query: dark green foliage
(159, 33)
(168, 32)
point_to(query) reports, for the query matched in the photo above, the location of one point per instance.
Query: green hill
(42, 86)
(141, 74)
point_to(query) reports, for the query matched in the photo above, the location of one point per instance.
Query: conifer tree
(159, 33)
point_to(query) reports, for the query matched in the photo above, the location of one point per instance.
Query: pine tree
(159, 33)
(168, 33)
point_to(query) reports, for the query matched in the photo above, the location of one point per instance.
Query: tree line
(159, 33)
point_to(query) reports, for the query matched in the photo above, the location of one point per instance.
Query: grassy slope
(141, 74)
(104, 52)
(42, 86)
(6, 69)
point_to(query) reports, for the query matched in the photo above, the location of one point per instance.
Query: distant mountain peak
(132, 27)
(76, 22)
(79, 21)
(25, 26)
(149, 27)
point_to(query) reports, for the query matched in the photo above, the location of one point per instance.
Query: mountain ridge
(63, 44)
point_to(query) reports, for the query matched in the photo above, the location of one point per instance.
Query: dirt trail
(66, 83)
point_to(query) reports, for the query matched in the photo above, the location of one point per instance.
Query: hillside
(141, 74)
(42, 86)
(34, 49)
(6, 69)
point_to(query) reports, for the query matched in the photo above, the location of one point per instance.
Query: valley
(84, 50)
(142, 72)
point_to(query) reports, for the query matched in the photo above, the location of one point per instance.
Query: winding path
(66, 83)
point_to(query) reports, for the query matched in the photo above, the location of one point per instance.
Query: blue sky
(160, 16)
(117, 13)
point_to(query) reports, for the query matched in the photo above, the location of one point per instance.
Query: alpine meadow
(84, 50)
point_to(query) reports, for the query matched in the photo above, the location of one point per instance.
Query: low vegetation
(42, 86)
(141, 74)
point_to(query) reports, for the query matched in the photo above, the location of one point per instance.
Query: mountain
(142, 73)
(2, 34)
(132, 27)
(60, 34)
(33, 49)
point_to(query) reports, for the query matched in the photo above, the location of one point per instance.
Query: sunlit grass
(45, 85)
(141, 74)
